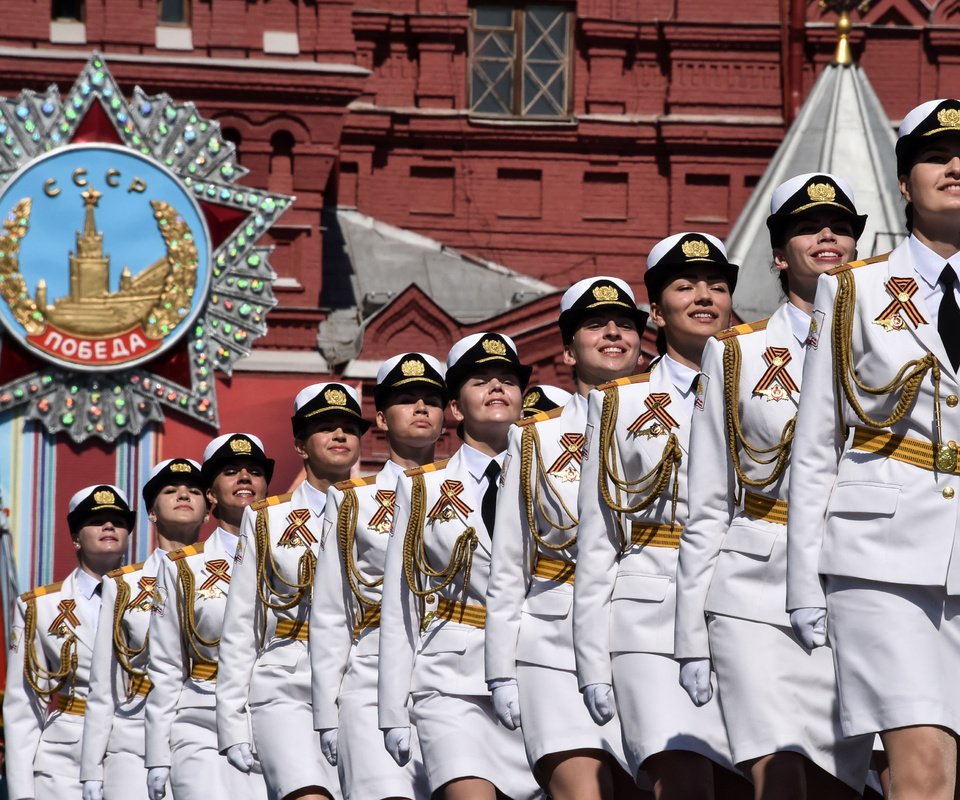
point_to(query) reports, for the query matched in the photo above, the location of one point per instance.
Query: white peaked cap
(578, 289)
(84, 493)
(390, 363)
(307, 394)
(789, 188)
(162, 465)
(461, 347)
(664, 246)
(220, 441)
(918, 115)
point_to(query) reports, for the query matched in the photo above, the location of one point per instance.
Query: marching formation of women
(735, 575)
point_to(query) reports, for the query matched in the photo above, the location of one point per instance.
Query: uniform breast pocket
(641, 588)
(552, 602)
(63, 731)
(443, 639)
(750, 540)
(862, 501)
(285, 654)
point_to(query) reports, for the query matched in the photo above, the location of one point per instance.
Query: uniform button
(952, 444)
(948, 493)
(431, 599)
(952, 400)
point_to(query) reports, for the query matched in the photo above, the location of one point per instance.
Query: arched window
(281, 162)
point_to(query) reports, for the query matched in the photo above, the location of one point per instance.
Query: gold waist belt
(766, 508)
(140, 685)
(293, 629)
(651, 534)
(916, 452)
(468, 614)
(204, 672)
(369, 619)
(69, 704)
(554, 569)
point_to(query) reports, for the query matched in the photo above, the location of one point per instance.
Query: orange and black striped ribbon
(146, 587)
(450, 496)
(386, 498)
(219, 569)
(777, 359)
(655, 402)
(903, 290)
(67, 609)
(297, 531)
(572, 444)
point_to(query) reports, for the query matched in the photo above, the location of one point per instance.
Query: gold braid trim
(305, 569)
(35, 674)
(907, 380)
(346, 535)
(779, 454)
(531, 488)
(416, 563)
(186, 592)
(649, 486)
(121, 646)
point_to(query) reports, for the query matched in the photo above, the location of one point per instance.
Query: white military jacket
(59, 628)
(625, 589)
(280, 536)
(855, 512)
(528, 613)
(182, 665)
(113, 691)
(340, 626)
(418, 651)
(731, 561)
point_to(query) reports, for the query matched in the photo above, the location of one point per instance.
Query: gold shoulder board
(271, 501)
(745, 327)
(426, 468)
(183, 552)
(40, 591)
(643, 377)
(355, 483)
(124, 570)
(861, 263)
(540, 416)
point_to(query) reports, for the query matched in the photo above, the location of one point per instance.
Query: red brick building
(534, 144)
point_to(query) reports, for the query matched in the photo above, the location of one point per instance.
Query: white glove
(157, 778)
(695, 678)
(598, 698)
(397, 742)
(810, 626)
(506, 701)
(93, 790)
(328, 745)
(240, 756)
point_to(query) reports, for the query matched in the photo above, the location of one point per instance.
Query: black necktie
(99, 590)
(948, 318)
(694, 382)
(488, 506)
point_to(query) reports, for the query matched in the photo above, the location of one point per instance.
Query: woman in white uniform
(530, 664)
(779, 700)
(872, 557)
(48, 666)
(434, 588)
(193, 583)
(410, 396)
(265, 666)
(633, 505)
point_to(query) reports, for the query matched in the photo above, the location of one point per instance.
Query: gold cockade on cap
(949, 117)
(413, 368)
(241, 446)
(605, 294)
(821, 192)
(531, 399)
(179, 466)
(494, 347)
(104, 497)
(335, 397)
(695, 248)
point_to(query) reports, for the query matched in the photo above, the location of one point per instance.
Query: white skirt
(554, 718)
(776, 697)
(286, 742)
(657, 715)
(198, 771)
(367, 771)
(460, 737)
(896, 650)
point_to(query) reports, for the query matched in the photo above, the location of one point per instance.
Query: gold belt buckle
(946, 459)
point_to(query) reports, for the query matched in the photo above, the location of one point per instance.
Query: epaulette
(742, 328)
(40, 591)
(426, 468)
(183, 552)
(861, 263)
(540, 416)
(116, 573)
(355, 483)
(643, 377)
(276, 500)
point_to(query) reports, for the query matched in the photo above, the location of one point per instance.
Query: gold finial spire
(844, 55)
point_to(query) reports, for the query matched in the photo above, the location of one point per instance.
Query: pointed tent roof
(841, 129)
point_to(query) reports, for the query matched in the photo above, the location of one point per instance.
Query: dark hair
(661, 341)
(784, 278)
(908, 213)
